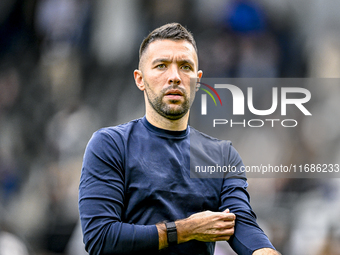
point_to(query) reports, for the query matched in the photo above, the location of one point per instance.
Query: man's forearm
(204, 226)
(207, 227)
(182, 233)
(163, 242)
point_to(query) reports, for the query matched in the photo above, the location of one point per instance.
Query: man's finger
(229, 216)
(226, 210)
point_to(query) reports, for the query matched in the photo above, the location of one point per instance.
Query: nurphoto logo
(301, 97)
(204, 97)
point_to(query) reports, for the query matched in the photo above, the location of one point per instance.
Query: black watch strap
(171, 232)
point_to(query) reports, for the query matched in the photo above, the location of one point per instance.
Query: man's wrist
(171, 232)
(184, 229)
(162, 238)
(184, 232)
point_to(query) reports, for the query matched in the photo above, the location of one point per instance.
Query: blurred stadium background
(66, 69)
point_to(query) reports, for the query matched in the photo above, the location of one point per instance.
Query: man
(136, 195)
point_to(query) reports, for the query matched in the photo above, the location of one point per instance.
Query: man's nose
(174, 77)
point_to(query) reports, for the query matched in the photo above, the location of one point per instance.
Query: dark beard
(165, 110)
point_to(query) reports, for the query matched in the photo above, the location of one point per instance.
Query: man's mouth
(174, 94)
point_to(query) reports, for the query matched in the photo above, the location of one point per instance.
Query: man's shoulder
(120, 129)
(115, 134)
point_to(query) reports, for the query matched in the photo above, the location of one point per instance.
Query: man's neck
(167, 124)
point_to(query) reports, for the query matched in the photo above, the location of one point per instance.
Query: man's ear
(138, 75)
(199, 76)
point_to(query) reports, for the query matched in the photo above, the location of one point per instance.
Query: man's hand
(207, 226)
(266, 251)
(204, 226)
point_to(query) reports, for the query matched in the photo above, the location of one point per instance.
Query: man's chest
(158, 186)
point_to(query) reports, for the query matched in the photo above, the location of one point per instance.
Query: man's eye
(161, 66)
(186, 67)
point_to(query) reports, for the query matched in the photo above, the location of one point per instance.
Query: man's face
(166, 68)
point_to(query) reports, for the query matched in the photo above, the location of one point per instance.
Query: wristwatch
(171, 232)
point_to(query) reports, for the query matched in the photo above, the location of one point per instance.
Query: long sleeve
(248, 236)
(101, 201)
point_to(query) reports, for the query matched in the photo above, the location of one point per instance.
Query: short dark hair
(172, 31)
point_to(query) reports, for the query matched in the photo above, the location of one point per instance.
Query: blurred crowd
(66, 69)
